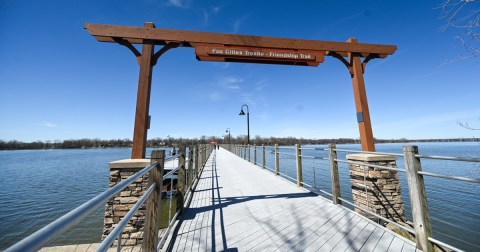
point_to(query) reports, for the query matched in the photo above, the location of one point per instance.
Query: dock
(238, 206)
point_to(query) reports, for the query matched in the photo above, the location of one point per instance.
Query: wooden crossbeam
(140, 35)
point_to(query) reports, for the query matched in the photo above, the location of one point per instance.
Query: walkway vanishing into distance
(238, 206)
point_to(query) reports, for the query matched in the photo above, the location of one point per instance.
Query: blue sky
(58, 82)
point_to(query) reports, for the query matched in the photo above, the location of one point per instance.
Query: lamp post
(248, 121)
(229, 143)
(228, 131)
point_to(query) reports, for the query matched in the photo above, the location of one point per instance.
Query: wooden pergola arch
(239, 48)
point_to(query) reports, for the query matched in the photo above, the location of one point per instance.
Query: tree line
(87, 143)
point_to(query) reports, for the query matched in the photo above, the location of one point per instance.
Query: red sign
(258, 55)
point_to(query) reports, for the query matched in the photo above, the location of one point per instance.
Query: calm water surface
(38, 186)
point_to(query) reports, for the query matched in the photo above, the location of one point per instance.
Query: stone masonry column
(374, 189)
(119, 205)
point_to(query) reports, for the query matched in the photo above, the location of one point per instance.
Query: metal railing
(188, 171)
(292, 156)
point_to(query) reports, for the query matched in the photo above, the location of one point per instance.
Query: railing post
(263, 157)
(196, 161)
(418, 199)
(204, 155)
(190, 168)
(181, 179)
(248, 149)
(332, 154)
(299, 165)
(152, 214)
(254, 154)
(200, 158)
(277, 160)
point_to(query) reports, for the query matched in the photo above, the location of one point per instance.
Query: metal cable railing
(41, 237)
(280, 154)
(190, 169)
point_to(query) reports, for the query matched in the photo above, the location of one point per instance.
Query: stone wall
(375, 189)
(119, 205)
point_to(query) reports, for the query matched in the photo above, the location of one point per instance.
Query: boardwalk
(237, 206)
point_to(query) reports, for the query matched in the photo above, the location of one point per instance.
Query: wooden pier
(238, 206)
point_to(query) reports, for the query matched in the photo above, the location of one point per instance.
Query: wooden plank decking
(237, 206)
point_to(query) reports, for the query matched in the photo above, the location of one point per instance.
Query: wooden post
(361, 103)
(332, 154)
(263, 157)
(277, 160)
(199, 148)
(152, 214)
(418, 199)
(255, 154)
(190, 171)
(299, 165)
(181, 179)
(143, 100)
(196, 162)
(204, 158)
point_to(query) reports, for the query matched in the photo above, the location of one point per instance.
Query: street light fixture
(248, 121)
(228, 131)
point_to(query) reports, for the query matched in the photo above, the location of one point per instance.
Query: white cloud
(180, 3)
(207, 13)
(216, 96)
(47, 124)
(238, 23)
(230, 82)
(260, 85)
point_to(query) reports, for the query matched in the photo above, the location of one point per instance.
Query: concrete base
(91, 247)
(129, 163)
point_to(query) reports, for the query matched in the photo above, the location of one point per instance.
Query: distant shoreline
(159, 143)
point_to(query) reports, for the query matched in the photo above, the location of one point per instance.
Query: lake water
(38, 186)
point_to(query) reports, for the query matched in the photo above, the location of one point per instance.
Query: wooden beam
(361, 103)
(138, 35)
(143, 101)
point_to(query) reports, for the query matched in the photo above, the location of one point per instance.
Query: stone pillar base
(118, 206)
(375, 189)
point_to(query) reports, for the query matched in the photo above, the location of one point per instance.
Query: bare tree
(467, 126)
(464, 15)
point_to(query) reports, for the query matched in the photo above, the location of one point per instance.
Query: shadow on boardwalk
(292, 220)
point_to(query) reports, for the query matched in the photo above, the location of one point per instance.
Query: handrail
(117, 231)
(41, 237)
(287, 154)
(369, 152)
(474, 160)
(445, 245)
(449, 177)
